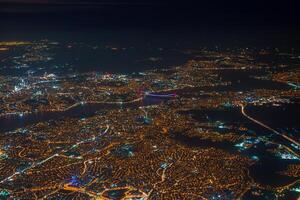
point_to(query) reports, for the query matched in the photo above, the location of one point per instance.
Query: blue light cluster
(287, 156)
(164, 165)
(75, 181)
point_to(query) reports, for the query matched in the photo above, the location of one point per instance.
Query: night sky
(270, 19)
(212, 13)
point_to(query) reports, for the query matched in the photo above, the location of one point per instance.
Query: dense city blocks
(221, 125)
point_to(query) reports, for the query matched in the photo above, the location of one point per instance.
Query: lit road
(267, 127)
(51, 157)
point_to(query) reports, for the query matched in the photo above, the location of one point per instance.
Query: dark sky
(201, 14)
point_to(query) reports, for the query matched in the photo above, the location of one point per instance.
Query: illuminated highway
(269, 128)
(51, 157)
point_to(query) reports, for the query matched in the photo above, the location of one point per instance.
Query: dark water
(16, 121)
(266, 171)
(242, 81)
(278, 117)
